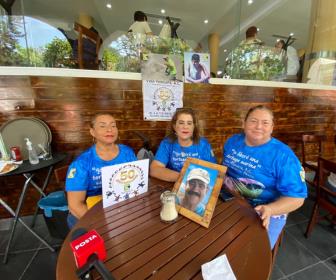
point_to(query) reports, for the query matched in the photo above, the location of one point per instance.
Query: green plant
(256, 62)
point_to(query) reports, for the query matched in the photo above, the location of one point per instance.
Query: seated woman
(265, 171)
(83, 180)
(183, 141)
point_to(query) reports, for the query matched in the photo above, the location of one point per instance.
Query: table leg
(11, 211)
(16, 218)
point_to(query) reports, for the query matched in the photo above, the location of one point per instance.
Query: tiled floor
(298, 257)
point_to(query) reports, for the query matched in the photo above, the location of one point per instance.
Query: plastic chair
(311, 150)
(324, 195)
(86, 48)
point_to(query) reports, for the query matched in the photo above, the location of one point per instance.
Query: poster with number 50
(123, 181)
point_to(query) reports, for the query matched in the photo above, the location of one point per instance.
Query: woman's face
(105, 130)
(258, 127)
(184, 127)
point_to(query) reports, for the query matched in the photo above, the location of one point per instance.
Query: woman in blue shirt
(84, 176)
(183, 141)
(265, 171)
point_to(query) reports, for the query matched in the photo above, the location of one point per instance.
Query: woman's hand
(283, 205)
(265, 213)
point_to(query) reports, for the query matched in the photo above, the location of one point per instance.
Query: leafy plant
(58, 53)
(256, 62)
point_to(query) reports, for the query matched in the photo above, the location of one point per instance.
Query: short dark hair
(188, 111)
(251, 31)
(258, 107)
(195, 57)
(140, 16)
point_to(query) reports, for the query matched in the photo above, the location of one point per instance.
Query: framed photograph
(197, 189)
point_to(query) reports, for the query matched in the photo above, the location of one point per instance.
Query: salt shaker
(168, 212)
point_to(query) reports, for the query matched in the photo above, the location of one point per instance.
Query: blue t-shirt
(263, 173)
(173, 155)
(84, 173)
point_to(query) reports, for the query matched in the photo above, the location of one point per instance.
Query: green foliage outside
(125, 55)
(9, 36)
(58, 54)
(55, 54)
(256, 62)
(132, 47)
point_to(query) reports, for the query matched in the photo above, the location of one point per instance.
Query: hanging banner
(160, 99)
(162, 86)
(123, 181)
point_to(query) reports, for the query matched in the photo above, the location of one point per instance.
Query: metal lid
(14, 131)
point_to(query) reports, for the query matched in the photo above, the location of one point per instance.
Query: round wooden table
(140, 246)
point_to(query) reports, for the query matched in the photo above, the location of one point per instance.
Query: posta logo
(86, 245)
(86, 241)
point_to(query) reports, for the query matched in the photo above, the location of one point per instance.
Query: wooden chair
(324, 194)
(87, 47)
(311, 150)
(60, 174)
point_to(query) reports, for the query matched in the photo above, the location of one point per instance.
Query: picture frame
(197, 189)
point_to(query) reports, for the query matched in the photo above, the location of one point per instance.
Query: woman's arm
(283, 205)
(160, 171)
(76, 203)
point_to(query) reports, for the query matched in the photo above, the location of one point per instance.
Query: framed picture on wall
(197, 189)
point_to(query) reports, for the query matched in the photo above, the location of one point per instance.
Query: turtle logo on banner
(164, 99)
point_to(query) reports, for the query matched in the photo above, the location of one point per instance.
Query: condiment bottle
(168, 212)
(33, 159)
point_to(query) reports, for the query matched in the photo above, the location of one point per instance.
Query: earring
(93, 140)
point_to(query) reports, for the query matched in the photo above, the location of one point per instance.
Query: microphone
(89, 251)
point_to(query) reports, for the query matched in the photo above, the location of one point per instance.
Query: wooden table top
(140, 246)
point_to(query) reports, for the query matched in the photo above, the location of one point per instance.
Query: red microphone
(89, 251)
(85, 244)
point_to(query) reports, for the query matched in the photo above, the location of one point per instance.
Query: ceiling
(228, 18)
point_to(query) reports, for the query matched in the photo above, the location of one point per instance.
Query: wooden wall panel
(67, 104)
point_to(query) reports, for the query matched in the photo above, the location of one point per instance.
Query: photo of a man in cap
(197, 186)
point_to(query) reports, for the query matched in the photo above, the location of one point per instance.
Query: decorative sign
(160, 99)
(162, 86)
(123, 181)
(197, 189)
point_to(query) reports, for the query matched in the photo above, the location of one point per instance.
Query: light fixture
(291, 34)
(206, 21)
(163, 11)
(225, 50)
(278, 40)
(249, 2)
(258, 29)
(109, 5)
(160, 21)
